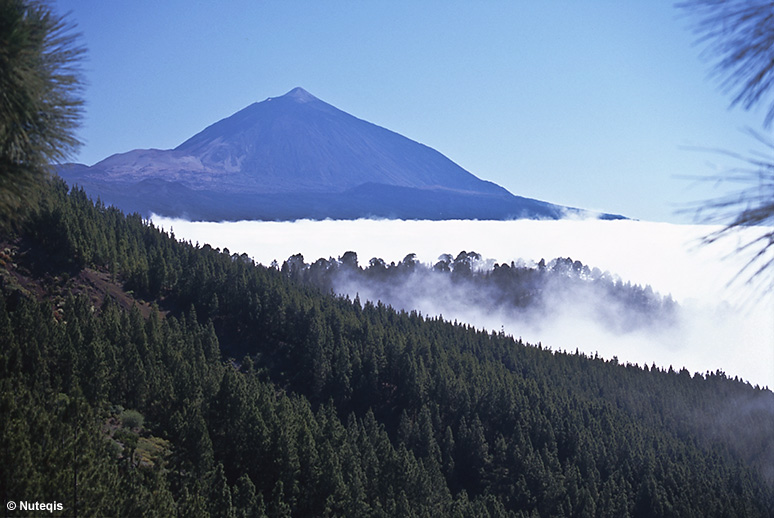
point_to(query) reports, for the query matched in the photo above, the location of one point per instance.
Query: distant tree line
(518, 290)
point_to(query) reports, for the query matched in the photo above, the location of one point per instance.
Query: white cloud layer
(727, 325)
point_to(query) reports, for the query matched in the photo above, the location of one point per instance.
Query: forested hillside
(141, 375)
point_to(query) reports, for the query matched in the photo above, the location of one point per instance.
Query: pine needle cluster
(40, 97)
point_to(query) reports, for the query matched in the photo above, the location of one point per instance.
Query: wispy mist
(723, 325)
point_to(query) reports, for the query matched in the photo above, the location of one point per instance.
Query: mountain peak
(295, 156)
(300, 95)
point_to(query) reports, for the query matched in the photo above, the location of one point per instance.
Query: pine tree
(41, 105)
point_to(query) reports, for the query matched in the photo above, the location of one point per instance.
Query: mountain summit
(293, 157)
(301, 95)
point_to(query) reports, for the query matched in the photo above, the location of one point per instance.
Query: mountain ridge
(299, 145)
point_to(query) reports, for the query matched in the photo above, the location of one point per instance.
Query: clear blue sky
(587, 104)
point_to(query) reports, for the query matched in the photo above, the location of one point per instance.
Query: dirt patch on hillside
(94, 284)
(97, 285)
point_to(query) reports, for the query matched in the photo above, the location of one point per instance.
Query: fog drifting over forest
(724, 324)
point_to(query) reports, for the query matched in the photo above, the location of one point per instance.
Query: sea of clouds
(725, 323)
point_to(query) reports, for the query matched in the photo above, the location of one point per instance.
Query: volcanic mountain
(294, 157)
